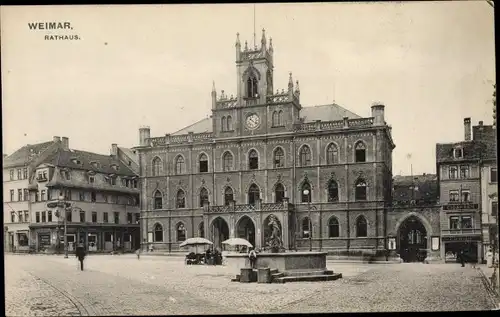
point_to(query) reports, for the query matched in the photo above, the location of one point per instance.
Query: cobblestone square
(114, 285)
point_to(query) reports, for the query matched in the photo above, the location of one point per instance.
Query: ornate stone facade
(255, 156)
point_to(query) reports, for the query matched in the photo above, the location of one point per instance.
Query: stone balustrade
(333, 125)
(259, 206)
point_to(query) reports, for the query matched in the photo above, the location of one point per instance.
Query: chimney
(57, 139)
(378, 114)
(65, 143)
(467, 127)
(114, 149)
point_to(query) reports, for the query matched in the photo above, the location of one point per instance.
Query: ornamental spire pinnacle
(263, 41)
(238, 44)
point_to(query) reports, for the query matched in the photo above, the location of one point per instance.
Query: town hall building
(323, 172)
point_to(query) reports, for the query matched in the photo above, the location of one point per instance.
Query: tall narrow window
(306, 193)
(333, 191)
(360, 152)
(305, 156)
(280, 118)
(12, 195)
(157, 166)
(49, 216)
(223, 124)
(454, 195)
(360, 193)
(333, 228)
(117, 217)
(228, 196)
(494, 208)
(279, 193)
(306, 228)
(279, 158)
(181, 232)
(275, 119)
(454, 222)
(181, 199)
(252, 87)
(158, 233)
(203, 196)
(361, 227)
(464, 171)
(158, 200)
(466, 195)
(19, 195)
(253, 194)
(203, 163)
(493, 175)
(253, 160)
(453, 172)
(25, 173)
(26, 195)
(227, 162)
(82, 216)
(229, 123)
(332, 154)
(179, 165)
(93, 197)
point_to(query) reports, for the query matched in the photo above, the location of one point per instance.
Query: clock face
(253, 121)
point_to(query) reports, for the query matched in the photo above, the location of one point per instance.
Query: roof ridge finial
(271, 44)
(297, 89)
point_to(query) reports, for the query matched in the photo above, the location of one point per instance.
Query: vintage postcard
(249, 158)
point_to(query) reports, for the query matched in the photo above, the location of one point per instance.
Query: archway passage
(220, 232)
(412, 240)
(246, 229)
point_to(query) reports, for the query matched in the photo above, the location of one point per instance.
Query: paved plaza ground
(38, 285)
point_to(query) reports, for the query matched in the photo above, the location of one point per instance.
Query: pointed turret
(297, 89)
(246, 46)
(214, 96)
(290, 82)
(238, 46)
(271, 50)
(263, 41)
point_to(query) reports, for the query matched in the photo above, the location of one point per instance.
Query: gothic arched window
(158, 233)
(305, 156)
(223, 124)
(279, 158)
(360, 152)
(306, 228)
(203, 163)
(279, 193)
(280, 118)
(332, 154)
(333, 228)
(181, 199)
(181, 232)
(252, 87)
(203, 196)
(275, 119)
(158, 200)
(229, 123)
(306, 193)
(157, 168)
(253, 194)
(361, 227)
(333, 191)
(253, 160)
(228, 195)
(227, 161)
(360, 193)
(179, 165)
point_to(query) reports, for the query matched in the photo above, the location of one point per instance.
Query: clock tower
(248, 112)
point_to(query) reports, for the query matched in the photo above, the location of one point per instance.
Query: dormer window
(115, 167)
(95, 164)
(65, 174)
(458, 153)
(91, 179)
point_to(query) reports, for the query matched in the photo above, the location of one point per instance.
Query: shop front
(470, 246)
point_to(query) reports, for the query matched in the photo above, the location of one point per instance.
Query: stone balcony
(460, 206)
(257, 207)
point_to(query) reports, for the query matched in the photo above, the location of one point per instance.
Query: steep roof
(130, 153)
(471, 150)
(330, 112)
(64, 158)
(26, 154)
(425, 188)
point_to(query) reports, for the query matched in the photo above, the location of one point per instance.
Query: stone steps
(308, 278)
(308, 273)
(277, 275)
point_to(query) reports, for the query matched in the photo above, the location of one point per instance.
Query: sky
(431, 63)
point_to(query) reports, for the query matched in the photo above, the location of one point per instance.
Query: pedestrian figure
(138, 253)
(80, 254)
(252, 255)
(461, 257)
(489, 258)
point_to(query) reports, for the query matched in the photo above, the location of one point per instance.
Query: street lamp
(61, 205)
(306, 193)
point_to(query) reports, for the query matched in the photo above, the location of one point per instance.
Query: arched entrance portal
(412, 240)
(246, 229)
(220, 232)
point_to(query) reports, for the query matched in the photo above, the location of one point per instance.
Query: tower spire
(263, 40)
(290, 83)
(254, 44)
